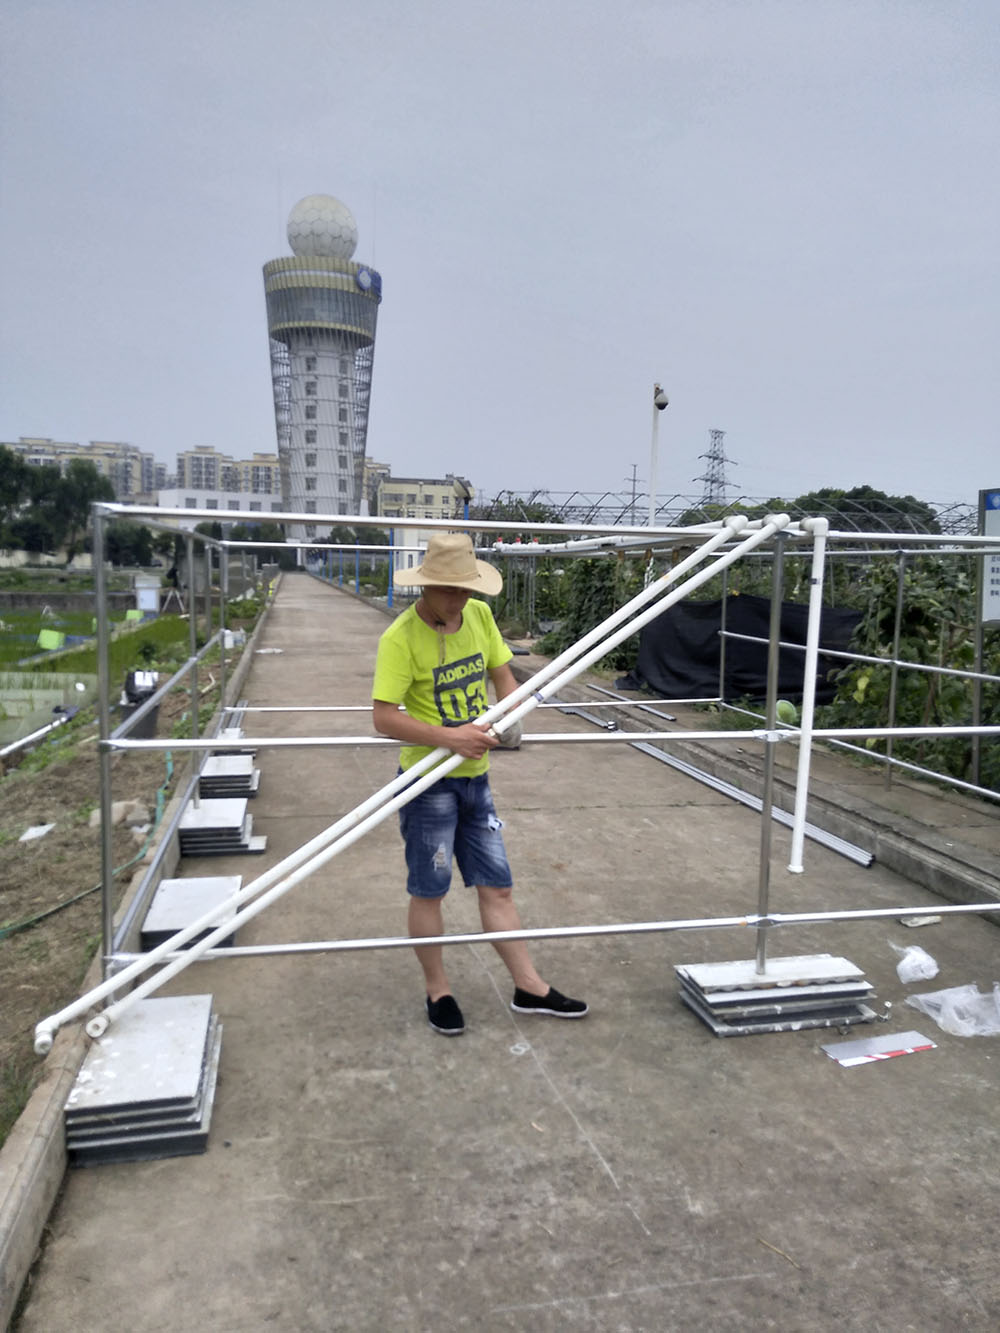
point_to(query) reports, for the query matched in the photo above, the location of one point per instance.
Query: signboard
(989, 526)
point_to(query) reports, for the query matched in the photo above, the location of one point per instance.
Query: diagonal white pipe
(311, 856)
(819, 528)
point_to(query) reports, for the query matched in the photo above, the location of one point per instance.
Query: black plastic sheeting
(679, 651)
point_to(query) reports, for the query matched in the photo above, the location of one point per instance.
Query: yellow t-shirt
(440, 678)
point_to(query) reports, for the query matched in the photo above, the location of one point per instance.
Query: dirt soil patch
(42, 967)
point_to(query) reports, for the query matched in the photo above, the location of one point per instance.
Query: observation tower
(321, 314)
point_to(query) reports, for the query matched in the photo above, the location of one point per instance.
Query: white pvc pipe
(819, 527)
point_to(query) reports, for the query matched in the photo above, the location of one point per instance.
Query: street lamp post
(660, 401)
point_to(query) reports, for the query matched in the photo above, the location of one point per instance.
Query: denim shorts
(455, 817)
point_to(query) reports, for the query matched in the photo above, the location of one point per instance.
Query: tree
(77, 489)
(265, 531)
(15, 492)
(128, 543)
(865, 509)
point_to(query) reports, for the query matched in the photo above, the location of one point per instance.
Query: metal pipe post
(722, 636)
(193, 647)
(223, 591)
(894, 669)
(767, 795)
(104, 728)
(208, 591)
(977, 665)
(659, 403)
(392, 562)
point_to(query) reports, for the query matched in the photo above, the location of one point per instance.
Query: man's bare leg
(498, 911)
(426, 918)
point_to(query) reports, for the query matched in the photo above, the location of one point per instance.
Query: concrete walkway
(627, 1172)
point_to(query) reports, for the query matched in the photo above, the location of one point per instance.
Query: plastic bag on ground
(964, 1011)
(915, 964)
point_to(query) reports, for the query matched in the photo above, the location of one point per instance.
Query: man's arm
(504, 683)
(504, 680)
(468, 740)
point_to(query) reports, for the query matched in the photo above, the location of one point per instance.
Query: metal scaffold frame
(719, 546)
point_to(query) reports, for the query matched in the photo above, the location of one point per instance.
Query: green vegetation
(21, 628)
(159, 644)
(45, 509)
(17, 1080)
(938, 622)
(937, 629)
(861, 509)
(43, 581)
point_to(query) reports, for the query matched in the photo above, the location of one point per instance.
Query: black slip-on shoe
(445, 1016)
(554, 1003)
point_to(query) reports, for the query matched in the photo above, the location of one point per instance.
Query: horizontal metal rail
(785, 733)
(751, 920)
(862, 657)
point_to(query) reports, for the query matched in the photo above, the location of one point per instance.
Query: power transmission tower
(714, 476)
(634, 479)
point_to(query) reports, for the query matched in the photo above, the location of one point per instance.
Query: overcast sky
(784, 210)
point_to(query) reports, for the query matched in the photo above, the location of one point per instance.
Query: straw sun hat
(450, 562)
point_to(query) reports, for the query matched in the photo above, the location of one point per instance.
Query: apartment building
(133, 473)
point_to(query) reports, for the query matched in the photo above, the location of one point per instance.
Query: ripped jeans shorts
(454, 818)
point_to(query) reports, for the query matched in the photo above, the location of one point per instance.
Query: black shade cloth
(679, 650)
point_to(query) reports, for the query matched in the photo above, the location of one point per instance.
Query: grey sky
(785, 210)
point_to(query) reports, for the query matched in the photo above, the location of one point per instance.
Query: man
(434, 659)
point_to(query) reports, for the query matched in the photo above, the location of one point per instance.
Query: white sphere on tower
(320, 226)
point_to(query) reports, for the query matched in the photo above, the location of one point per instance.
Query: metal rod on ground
(820, 527)
(767, 795)
(104, 731)
(307, 859)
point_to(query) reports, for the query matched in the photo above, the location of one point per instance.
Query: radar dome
(322, 227)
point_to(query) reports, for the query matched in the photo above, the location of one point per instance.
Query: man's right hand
(468, 740)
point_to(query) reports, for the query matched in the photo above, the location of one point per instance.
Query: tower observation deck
(322, 310)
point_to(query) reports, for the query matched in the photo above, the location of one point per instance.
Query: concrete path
(627, 1172)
